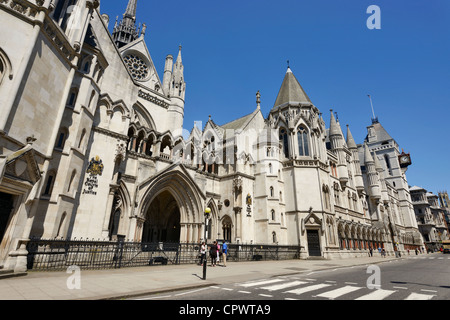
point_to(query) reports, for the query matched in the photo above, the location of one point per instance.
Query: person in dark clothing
(213, 254)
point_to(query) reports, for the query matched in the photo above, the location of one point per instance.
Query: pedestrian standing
(219, 253)
(224, 253)
(371, 251)
(383, 253)
(203, 253)
(213, 254)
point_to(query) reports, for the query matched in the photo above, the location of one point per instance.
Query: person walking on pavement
(224, 253)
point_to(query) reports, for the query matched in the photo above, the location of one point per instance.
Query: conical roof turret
(291, 92)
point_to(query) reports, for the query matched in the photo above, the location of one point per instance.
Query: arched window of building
(270, 168)
(81, 142)
(388, 164)
(2, 70)
(61, 225)
(274, 237)
(273, 214)
(271, 192)
(61, 138)
(49, 184)
(285, 142)
(326, 196)
(72, 177)
(303, 142)
(71, 100)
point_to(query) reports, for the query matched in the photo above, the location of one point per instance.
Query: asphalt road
(424, 277)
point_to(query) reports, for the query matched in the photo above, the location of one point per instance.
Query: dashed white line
(246, 292)
(266, 295)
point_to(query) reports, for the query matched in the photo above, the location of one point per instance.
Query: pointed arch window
(285, 141)
(61, 225)
(72, 177)
(50, 182)
(303, 142)
(61, 140)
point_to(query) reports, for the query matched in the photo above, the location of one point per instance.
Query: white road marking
(309, 288)
(189, 292)
(333, 294)
(377, 294)
(284, 285)
(418, 296)
(260, 283)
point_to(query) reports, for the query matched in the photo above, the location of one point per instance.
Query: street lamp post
(207, 212)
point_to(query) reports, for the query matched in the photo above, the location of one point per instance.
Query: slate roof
(291, 91)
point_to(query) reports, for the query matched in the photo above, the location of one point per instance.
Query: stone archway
(173, 186)
(6, 206)
(162, 220)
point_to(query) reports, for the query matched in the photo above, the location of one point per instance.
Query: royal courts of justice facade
(92, 146)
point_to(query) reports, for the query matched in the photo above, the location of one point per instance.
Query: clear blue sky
(232, 49)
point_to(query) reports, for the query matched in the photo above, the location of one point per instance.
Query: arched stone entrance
(171, 201)
(162, 220)
(6, 206)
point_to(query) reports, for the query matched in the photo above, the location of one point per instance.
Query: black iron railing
(59, 254)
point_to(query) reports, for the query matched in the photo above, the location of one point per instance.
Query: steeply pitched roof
(291, 91)
(381, 133)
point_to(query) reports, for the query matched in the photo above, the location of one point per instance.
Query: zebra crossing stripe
(284, 285)
(377, 294)
(309, 288)
(260, 283)
(333, 294)
(419, 296)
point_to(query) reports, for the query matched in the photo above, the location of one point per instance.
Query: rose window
(137, 66)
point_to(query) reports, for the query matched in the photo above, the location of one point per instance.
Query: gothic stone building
(92, 146)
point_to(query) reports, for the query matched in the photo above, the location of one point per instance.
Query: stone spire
(126, 31)
(350, 141)
(130, 13)
(178, 84)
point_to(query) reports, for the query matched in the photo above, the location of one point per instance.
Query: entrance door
(6, 205)
(313, 243)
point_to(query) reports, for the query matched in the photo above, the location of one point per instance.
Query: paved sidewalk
(129, 282)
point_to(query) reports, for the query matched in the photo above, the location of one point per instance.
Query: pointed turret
(350, 141)
(372, 176)
(337, 144)
(291, 92)
(359, 182)
(126, 31)
(335, 128)
(178, 85)
(176, 88)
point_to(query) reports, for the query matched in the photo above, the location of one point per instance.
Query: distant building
(91, 146)
(430, 218)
